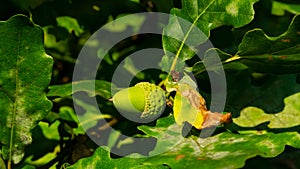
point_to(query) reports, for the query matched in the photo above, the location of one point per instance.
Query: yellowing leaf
(184, 111)
(190, 106)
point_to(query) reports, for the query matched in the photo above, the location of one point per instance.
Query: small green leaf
(279, 8)
(50, 131)
(288, 117)
(68, 114)
(70, 24)
(119, 25)
(102, 88)
(23, 99)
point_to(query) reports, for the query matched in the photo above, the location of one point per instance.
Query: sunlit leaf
(101, 158)
(23, 99)
(224, 150)
(70, 24)
(190, 26)
(288, 117)
(279, 8)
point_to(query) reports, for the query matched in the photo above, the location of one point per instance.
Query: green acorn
(142, 103)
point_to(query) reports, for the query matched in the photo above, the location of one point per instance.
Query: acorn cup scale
(141, 103)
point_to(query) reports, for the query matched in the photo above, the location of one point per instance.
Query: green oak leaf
(23, 100)
(260, 53)
(102, 88)
(279, 8)
(224, 150)
(268, 94)
(70, 24)
(101, 159)
(167, 132)
(190, 26)
(288, 117)
(266, 54)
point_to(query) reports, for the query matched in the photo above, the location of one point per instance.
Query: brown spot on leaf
(286, 40)
(65, 79)
(270, 58)
(282, 57)
(226, 118)
(179, 157)
(215, 119)
(200, 158)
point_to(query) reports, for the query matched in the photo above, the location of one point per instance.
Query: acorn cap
(142, 102)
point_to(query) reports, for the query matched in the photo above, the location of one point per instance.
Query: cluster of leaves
(258, 43)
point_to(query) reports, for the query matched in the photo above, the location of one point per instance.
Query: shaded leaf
(45, 139)
(260, 52)
(23, 101)
(163, 6)
(68, 114)
(267, 94)
(89, 118)
(289, 117)
(290, 156)
(47, 12)
(272, 54)
(102, 88)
